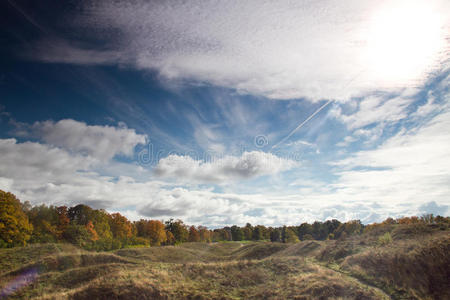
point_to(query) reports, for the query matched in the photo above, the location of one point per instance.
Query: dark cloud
(152, 212)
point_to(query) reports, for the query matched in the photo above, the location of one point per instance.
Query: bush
(385, 239)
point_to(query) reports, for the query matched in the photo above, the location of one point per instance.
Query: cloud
(248, 165)
(34, 162)
(42, 173)
(377, 109)
(46, 174)
(100, 142)
(412, 165)
(282, 49)
(181, 202)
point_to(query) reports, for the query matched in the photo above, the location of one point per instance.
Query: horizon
(423, 219)
(229, 113)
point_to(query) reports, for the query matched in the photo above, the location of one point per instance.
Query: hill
(411, 264)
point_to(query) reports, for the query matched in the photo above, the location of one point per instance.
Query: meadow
(400, 261)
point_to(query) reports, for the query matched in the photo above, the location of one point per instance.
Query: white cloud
(412, 166)
(248, 165)
(100, 142)
(35, 162)
(400, 177)
(45, 174)
(282, 49)
(378, 109)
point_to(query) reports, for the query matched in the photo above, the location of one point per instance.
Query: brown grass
(414, 265)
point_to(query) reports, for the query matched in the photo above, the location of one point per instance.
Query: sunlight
(404, 42)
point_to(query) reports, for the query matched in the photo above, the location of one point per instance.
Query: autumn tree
(15, 229)
(156, 232)
(101, 220)
(63, 220)
(194, 236)
(90, 228)
(205, 234)
(45, 221)
(170, 238)
(120, 226)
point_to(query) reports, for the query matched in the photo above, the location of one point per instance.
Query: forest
(96, 229)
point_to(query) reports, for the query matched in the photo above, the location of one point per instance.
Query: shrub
(385, 239)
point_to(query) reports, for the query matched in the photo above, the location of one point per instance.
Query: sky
(228, 112)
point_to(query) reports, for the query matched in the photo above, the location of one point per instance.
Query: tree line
(96, 229)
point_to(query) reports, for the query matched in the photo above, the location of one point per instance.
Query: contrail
(26, 16)
(315, 113)
(301, 125)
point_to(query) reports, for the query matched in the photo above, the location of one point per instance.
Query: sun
(405, 41)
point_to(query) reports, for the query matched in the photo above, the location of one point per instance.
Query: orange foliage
(194, 236)
(120, 226)
(156, 232)
(90, 228)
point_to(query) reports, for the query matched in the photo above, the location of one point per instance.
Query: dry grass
(420, 270)
(353, 268)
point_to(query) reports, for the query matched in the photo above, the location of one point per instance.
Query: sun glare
(405, 41)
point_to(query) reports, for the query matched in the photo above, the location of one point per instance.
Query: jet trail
(301, 125)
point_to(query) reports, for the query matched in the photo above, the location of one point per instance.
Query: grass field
(412, 265)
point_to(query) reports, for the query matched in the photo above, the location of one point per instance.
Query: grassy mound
(14, 258)
(421, 270)
(167, 254)
(258, 250)
(304, 249)
(411, 264)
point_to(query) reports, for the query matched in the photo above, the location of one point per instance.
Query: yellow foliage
(15, 229)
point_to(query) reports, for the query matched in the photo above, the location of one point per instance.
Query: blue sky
(197, 111)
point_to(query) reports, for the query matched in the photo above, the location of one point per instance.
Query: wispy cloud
(410, 166)
(279, 50)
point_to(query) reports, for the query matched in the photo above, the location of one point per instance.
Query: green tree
(290, 236)
(305, 229)
(236, 233)
(248, 231)
(101, 220)
(257, 233)
(78, 235)
(45, 221)
(178, 229)
(275, 235)
(80, 214)
(221, 234)
(349, 228)
(15, 228)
